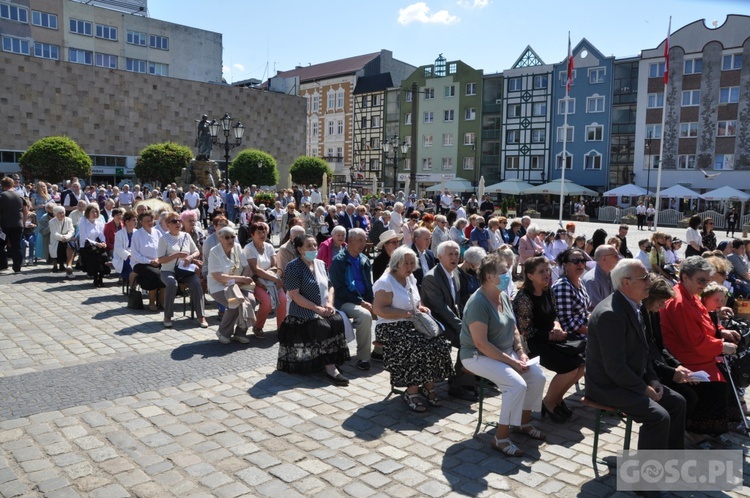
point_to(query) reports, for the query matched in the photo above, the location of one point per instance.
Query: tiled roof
(329, 69)
(377, 83)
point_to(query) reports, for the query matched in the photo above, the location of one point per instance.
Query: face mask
(504, 281)
(310, 255)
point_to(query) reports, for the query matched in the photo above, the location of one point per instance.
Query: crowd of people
(511, 298)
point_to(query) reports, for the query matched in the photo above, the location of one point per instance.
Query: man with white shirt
(446, 201)
(421, 239)
(126, 198)
(192, 198)
(315, 198)
(460, 211)
(71, 196)
(397, 217)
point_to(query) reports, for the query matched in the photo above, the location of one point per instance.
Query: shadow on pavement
(278, 381)
(104, 298)
(212, 348)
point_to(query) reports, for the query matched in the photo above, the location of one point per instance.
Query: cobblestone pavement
(98, 400)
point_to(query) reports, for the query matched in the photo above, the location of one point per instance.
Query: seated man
(421, 239)
(619, 372)
(597, 280)
(287, 252)
(351, 276)
(740, 271)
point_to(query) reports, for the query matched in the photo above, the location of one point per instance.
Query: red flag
(570, 66)
(666, 53)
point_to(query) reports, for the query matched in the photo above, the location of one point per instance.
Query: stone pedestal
(201, 174)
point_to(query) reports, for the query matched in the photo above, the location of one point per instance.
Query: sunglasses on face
(647, 276)
(702, 281)
(228, 237)
(577, 261)
(175, 221)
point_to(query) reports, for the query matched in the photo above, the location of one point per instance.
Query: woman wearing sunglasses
(569, 293)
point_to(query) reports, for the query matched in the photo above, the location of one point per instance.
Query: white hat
(386, 236)
(262, 207)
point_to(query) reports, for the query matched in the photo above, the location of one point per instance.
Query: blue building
(589, 117)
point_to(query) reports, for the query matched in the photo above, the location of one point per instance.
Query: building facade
(490, 142)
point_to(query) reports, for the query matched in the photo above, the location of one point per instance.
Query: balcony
(492, 108)
(488, 159)
(490, 134)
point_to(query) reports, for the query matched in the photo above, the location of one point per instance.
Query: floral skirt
(308, 345)
(410, 357)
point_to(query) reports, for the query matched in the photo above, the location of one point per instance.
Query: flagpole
(565, 130)
(663, 124)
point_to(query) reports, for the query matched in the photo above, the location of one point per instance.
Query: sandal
(414, 402)
(430, 396)
(529, 430)
(258, 333)
(153, 307)
(509, 449)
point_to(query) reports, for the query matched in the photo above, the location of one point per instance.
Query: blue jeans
(30, 242)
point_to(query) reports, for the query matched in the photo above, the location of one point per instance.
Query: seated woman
(538, 324)
(144, 257)
(491, 347)
(332, 246)
(657, 256)
(691, 337)
(176, 252)
(121, 254)
(569, 293)
(226, 267)
(269, 292)
(93, 245)
(312, 334)
(412, 359)
(61, 231)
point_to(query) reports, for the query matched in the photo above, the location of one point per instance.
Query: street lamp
(393, 141)
(648, 162)
(632, 177)
(238, 131)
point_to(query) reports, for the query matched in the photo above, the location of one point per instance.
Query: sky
(262, 37)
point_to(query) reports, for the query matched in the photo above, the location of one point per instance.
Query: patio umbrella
(454, 185)
(678, 192)
(553, 187)
(628, 190)
(481, 186)
(513, 186)
(727, 194)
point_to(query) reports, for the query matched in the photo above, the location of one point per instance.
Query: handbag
(569, 347)
(423, 322)
(135, 299)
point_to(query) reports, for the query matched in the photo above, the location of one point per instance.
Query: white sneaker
(222, 339)
(242, 339)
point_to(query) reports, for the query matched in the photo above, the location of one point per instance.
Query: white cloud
(238, 67)
(475, 4)
(420, 12)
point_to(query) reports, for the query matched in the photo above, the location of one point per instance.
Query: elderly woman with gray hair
(528, 245)
(467, 274)
(61, 231)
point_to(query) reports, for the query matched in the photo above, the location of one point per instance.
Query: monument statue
(203, 141)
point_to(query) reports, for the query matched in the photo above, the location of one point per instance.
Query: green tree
(162, 162)
(253, 166)
(55, 159)
(308, 170)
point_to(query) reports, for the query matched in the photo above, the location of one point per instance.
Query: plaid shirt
(571, 303)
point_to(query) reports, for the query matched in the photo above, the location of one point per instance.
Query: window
(43, 19)
(426, 163)
(594, 133)
(447, 163)
(407, 118)
(428, 72)
(571, 107)
(16, 45)
(471, 88)
(693, 66)
(448, 115)
(561, 134)
(339, 152)
(514, 111)
(450, 91)
(653, 162)
(564, 78)
(653, 131)
(314, 129)
(46, 51)
(512, 162)
(375, 122)
(81, 27)
(470, 138)
(655, 100)
(688, 130)
(513, 136)
(595, 104)
(135, 65)
(160, 42)
(726, 128)
(568, 161)
(374, 143)
(330, 101)
(407, 164)
(316, 103)
(426, 140)
(468, 163)
(428, 117)
(515, 85)
(82, 56)
(330, 126)
(592, 160)
(364, 101)
(135, 38)
(340, 127)
(729, 95)
(539, 109)
(375, 100)
(340, 99)
(407, 97)
(596, 75)
(536, 162)
(686, 161)
(452, 68)
(374, 165)
(691, 98)
(538, 136)
(731, 61)
(656, 70)
(106, 60)
(724, 161)
(540, 81)
(106, 32)
(447, 139)
(429, 93)
(14, 13)
(158, 69)
(470, 114)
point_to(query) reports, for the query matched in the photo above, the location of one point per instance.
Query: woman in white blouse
(144, 257)
(61, 231)
(176, 254)
(121, 253)
(93, 244)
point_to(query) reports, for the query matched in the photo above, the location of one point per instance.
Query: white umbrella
(553, 187)
(513, 186)
(481, 186)
(454, 185)
(678, 192)
(725, 194)
(628, 190)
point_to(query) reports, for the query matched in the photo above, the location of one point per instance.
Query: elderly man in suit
(440, 292)
(618, 370)
(346, 219)
(597, 280)
(421, 239)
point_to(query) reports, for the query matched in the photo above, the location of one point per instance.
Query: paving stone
(288, 472)
(232, 490)
(13, 488)
(111, 491)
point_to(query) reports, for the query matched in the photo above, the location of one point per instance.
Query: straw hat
(386, 236)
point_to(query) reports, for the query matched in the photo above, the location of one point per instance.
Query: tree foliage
(309, 170)
(253, 166)
(55, 159)
(162, 162)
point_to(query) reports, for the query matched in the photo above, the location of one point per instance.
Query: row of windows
(21, 14)
(447, 164)
(690, 130)
(594, 104)
(729, 62)
(88, 57)
(470, 138)
(140, 38)
(593, 132)
(692, 98)
(537, 109)
(688, 161)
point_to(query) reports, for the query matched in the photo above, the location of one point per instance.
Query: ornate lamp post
(393, 142)
(238, 132)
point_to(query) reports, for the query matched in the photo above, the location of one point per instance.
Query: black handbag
(135, 299)
(569, 347)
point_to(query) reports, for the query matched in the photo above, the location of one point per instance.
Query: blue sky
(262, 36)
